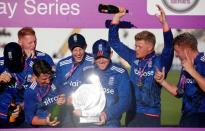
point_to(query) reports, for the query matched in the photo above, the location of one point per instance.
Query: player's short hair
(26, 31)
(186, 40)
(146, 36)
(42, 67)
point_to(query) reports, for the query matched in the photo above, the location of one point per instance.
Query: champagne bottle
(11, 109)
(109, 9)
(55, 113)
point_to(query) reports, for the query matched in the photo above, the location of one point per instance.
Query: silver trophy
(90, 99)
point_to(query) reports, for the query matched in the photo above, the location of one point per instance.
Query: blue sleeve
(168, 51)
(30, 105)
(49, 60)
(124, 98)
(121, 49)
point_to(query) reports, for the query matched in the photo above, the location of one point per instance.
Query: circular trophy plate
(89, 97)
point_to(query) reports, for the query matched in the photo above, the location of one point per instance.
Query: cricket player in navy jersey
(115, 82)
(28, 41)
(143, 61)
(191, 85)
(69, 70)
(40, 96)
(11, 86)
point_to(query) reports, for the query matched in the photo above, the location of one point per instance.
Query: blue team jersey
(116, 84)
(147, 90)
(38, 100)
(68, 75)
(193, 97)
(22, 79)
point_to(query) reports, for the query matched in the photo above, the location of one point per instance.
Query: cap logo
(75, 38)
(100, 47)
(10, 55)
(100, 53)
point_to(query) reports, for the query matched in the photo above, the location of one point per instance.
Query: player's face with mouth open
(78, 54)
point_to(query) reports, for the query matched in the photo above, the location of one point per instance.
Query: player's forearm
(165, 27)
(38, 121)
(169, 87)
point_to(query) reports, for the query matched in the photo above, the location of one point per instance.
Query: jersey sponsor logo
(146, 73)
(109, 91)
(72, 83)
(49, 100)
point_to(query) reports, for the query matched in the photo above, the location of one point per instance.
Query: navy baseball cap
(101, 48)
(76, 40)
(13, 57)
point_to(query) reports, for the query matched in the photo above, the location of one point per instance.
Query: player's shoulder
(32, 86)
(202, 57)
(117, 68)
(89, 57)
(41, 54)
(65, 61)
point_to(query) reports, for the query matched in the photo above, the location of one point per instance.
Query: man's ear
(150, 48)
(20, 42)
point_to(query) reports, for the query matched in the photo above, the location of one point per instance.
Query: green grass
(170, 106)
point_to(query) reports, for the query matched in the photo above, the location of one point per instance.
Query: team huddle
(31, 85)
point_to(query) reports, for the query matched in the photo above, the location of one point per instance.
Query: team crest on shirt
(150, 64)
(136, 62)
(111, 81)
(53, 87)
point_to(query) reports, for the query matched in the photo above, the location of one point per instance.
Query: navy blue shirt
(22, 80)
(193, 97)
(38, 100)
(147, 90)
(69, 76)
(116, 84)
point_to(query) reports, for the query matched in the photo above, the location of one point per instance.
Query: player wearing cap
(11, 87)
(115, 82)
(143, 61)
(69, 70)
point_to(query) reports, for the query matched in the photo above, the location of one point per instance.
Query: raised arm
(168, 50)
(121, 49)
